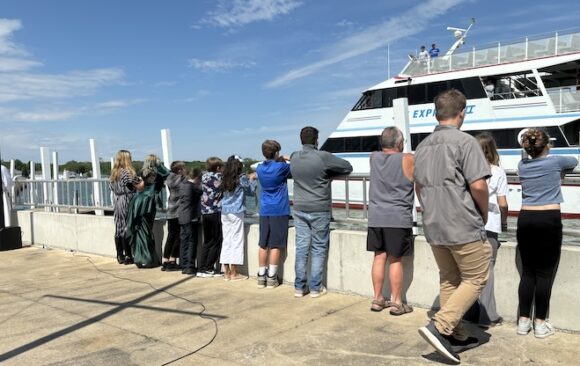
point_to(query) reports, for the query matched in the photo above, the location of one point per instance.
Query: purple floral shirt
(212, 193)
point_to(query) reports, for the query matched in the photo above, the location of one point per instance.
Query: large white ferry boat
(511, 86)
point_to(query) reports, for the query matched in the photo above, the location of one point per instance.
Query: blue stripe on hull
(434, 123)
(554, 151)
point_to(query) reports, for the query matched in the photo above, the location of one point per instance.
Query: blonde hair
(150, 165)
(122, 161)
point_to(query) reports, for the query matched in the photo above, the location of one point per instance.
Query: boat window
(522, 84)
(333, 145)
(416, 139)
(433, 89)
(504, 138)
(351, 144)
(417, 94)
(370, 99)
(572, 132)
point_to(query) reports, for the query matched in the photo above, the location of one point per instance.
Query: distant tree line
(85, 168)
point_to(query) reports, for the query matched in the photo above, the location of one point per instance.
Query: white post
(96, 175)
(401, 121)
(112, 166)
(166, 146)
(167, 154)
(12, 168)
(473, 61)
(498, 52)
(556, 44)
(527, 47)
(32, 186)
(45, 162)
(12, 192)
(55, 178)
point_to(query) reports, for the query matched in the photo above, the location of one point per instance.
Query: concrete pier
(63, 308)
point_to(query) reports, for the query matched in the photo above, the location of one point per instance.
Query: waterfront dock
(63, 308)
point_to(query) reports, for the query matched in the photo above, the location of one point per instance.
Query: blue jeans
(312, 236)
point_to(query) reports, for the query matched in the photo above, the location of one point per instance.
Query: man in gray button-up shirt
(450, 176)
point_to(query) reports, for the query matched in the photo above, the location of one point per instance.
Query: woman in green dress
(142, 212)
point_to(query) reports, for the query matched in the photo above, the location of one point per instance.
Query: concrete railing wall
(348, 267)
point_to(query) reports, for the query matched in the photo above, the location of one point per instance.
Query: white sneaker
(524, 326)
(543, 329)
(321, 291)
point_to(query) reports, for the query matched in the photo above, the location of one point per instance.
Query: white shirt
(423, 55)
(497, 186)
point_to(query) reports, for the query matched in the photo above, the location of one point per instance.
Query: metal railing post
(47, 189)
(526, 50)
(32, 185)
(96, 175)
(55, 187)
(346, 197)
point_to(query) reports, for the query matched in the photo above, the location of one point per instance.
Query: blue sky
(222, 75)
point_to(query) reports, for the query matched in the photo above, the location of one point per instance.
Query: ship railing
(565, 99)
(528, 48)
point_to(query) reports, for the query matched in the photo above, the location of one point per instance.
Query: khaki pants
(463, 272)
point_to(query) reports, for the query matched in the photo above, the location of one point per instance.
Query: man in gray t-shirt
(450, 182)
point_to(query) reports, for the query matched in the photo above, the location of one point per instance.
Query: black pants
(189, 236)
(212, 241)
(172, 245)
(539, 237)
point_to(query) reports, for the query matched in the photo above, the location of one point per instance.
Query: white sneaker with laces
(524, 326)
(543, 329)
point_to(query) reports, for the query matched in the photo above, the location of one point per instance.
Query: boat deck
(500, 53)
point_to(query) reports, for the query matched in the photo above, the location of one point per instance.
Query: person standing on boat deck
(189, 214)
(172, 244)
(539, 231)
(496, 223)
(312, 171)
(390, 220)
(434, 51)
(450, 181)
(423, 55)
(211, 219)
(273, 174)
(122, 184)
(235, 187)
(142, 211)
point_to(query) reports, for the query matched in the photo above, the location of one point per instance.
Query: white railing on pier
(554, 44)
(72, 194)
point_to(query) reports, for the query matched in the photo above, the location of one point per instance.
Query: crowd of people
(456, 178)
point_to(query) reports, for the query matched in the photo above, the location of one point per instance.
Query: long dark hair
(231, 173)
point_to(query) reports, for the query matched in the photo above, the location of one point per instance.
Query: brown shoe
(397, 309)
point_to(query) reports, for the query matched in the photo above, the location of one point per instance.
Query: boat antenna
(460, 34)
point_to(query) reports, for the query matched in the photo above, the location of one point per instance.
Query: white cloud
(7, 46)
(372, 38)
(52, 113)
(266, 129)
(27, 86)
(117, 104)
(237, 13)
(18, 83)
(16, 64)
(218, 65)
